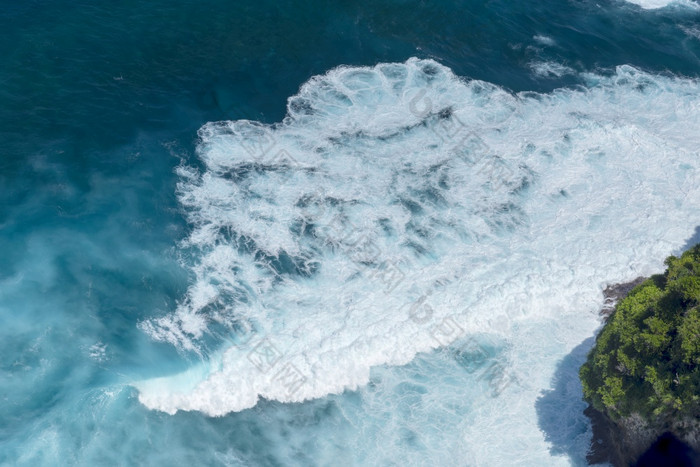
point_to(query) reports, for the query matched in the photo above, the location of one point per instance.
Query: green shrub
(646, 359)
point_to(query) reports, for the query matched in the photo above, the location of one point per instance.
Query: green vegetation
(646, 360)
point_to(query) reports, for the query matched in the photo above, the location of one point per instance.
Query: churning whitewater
(655, 4)
(399, 208)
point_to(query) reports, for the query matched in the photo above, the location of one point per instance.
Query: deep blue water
(100, 102)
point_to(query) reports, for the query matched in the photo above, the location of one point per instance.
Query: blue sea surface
(120, 208)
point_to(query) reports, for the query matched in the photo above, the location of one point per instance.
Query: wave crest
(397, 208)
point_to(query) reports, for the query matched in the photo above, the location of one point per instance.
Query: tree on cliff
(646, 360)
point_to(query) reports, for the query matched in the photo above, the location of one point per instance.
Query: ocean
(329, 233)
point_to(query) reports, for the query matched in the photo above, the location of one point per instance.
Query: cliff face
(642, 378)
(623, 442)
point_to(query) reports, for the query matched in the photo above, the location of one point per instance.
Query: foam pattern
(399, 209)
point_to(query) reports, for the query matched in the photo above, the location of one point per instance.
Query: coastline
(613, 293)
(631, 440)
(604, 445)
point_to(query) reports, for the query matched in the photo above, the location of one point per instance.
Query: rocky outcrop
(623, 442)
(616, 292)
(632, 440)
(669, 451)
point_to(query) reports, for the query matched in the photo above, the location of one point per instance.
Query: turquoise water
(104, 211)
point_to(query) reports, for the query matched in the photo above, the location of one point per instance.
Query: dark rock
(604, 447)
(631, 441)
(615, 292)
(669, 451)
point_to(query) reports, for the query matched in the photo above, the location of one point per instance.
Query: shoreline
(603, 446)
(611, 443)
(613, 293)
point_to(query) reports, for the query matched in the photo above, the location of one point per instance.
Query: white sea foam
(544, 40)
(551, 69)
(655, 4)
(399, 207)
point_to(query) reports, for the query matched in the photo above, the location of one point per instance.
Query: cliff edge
(642, 377)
